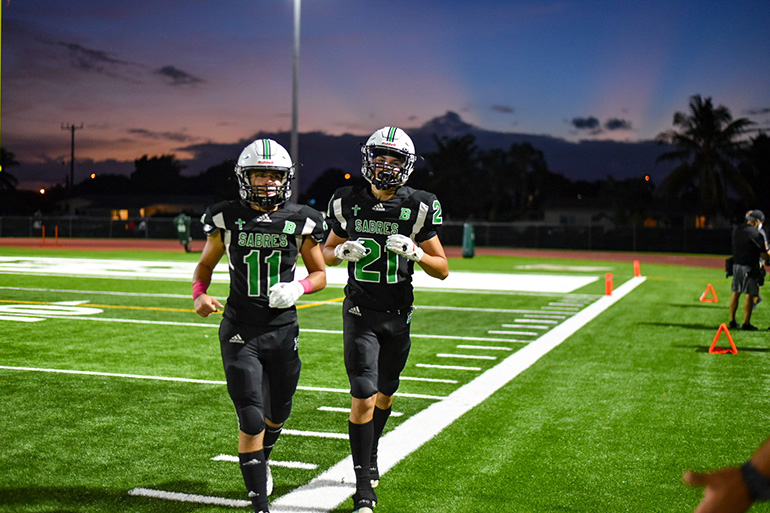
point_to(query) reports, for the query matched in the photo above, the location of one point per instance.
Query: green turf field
(110, 384)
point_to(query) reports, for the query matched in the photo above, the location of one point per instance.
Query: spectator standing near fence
(749, 254)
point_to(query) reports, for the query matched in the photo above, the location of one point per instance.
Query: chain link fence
(504, 235)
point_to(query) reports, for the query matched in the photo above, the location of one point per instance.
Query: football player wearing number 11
(262, 234)
(381, 229)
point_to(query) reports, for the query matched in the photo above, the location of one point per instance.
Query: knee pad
(244, 386)
(389, 387)
(362, 387)
(251, 420)
(279, 413)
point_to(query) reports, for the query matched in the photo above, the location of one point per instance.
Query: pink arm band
(199, 287)
(307, 285)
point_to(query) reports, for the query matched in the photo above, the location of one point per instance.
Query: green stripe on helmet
(392, 133)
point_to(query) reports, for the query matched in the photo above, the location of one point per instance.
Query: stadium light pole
(294, 102)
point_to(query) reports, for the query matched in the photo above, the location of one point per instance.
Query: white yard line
(503, 332)
(347, 410)
(429, 380)
(188, 497)
(335, 485)
(466, 356)
(491, 348)
(315, 434)
(446, 367)
(273, 463)
(15, 318)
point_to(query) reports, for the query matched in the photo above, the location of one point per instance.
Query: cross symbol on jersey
(240, 222)
(355, 210)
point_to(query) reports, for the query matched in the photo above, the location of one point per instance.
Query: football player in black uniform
(262, 234)
(381, 229)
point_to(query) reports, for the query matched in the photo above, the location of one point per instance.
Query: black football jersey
(382, 280)
(262, 250)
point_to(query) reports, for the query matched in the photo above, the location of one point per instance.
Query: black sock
(379, 420)
(361, 437)
(271, 436)
(254, 470)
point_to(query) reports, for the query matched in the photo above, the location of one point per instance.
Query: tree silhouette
(708, 147)
(104, 184)
(219, 181)
(513, 179)
(453, 175)
(756, 168)
(158, 175)
(531, 175)
(7, 180)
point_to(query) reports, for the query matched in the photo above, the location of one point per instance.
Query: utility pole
(72, 129)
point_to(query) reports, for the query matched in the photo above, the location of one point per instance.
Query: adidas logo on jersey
(264, 218)
(379, 207)
(236, 339)
(355, 311)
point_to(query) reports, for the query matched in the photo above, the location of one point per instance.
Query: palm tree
(7, 180)
(708, 146)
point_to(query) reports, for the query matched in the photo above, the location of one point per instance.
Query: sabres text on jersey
(263, 240)
(378, 227)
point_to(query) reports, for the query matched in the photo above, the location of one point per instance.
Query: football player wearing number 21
(381, 229)
(263, 234)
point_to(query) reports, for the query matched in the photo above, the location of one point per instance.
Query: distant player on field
(259, 336)
(381, 229)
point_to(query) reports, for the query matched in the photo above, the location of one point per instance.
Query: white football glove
(285, 294)
(350, 250)
(403, 245)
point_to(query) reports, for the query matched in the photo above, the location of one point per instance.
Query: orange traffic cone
(714, 350)
(712, 299)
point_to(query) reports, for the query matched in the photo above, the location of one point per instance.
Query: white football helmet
(388, 141)
(264, 155)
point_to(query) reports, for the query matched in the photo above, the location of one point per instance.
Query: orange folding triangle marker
(712, 299)
(713, 349)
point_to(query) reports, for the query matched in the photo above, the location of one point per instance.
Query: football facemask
(267, 195)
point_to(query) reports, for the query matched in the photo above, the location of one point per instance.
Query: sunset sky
(153, 77)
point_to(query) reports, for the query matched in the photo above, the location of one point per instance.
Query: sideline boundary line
(332, 487)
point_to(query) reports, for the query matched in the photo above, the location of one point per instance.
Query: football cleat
(364, 502)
